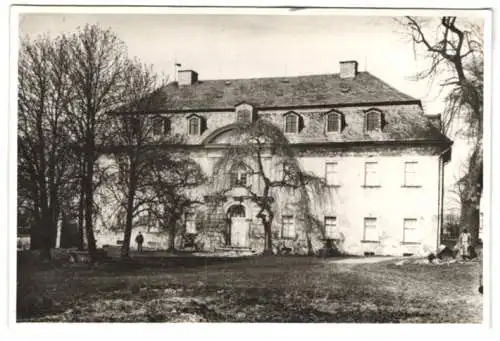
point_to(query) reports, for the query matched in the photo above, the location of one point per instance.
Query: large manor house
(381, 156)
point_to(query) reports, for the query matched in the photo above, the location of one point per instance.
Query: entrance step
(234, 249)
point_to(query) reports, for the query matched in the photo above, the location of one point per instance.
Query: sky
(248, 46)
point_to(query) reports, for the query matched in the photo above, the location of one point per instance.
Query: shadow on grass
(171, 263)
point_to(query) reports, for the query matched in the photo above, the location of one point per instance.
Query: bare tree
(172, 182)
(98, 77)
(136, 133)
(265, 153)
(454, 49)
(45, 159)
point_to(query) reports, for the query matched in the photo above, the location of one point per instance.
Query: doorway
(240, 227)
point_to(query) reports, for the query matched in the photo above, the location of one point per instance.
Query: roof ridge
(277, 77)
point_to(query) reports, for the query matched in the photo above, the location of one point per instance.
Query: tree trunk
(81, 210)
(89, 191)
(268, 246)
(46, 235)
(36, 232)
(470, 215)
(310, 250)
(125, 251)
(172, 233)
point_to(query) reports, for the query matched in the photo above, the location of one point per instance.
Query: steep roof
(314, 90)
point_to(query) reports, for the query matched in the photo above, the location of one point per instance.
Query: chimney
(187, 77)
(348, 69)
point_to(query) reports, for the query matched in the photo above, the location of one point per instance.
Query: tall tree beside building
(98, 76)
(45, 155)
(135, 135)
(453, 48)
(67, 87)
(275, 174)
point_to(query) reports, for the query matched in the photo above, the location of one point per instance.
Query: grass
(256, 289)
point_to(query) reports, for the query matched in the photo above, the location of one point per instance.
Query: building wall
(350, 202)
(390, 203)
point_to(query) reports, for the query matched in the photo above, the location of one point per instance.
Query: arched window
(373, 120)
(333, 122)
(236, 211)
(194, 125)
(291, 123)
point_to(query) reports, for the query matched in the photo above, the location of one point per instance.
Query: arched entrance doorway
(239, 226)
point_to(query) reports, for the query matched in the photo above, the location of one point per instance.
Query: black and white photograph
(286, 165)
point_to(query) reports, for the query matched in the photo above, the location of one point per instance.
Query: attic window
(292, 123)
(333, 122)
(194, 125)
(132, 125)
(161, 126)
(244, 115)
(373, 120)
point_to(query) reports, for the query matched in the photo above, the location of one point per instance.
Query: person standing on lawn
(464, 244)
(139, 240)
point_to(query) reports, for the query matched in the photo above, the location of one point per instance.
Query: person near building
(139, 240)
(464, 245)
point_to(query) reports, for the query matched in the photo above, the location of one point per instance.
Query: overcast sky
(246, 46)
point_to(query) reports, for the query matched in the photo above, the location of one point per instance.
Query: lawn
(255, 289)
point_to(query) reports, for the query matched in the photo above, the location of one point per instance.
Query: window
(161, 126)
(132, 125)
(411, 174)
(332, 174)
(238, 176)
(410, 231)
(373, 121)
(190, 223)
(371, 174)
(291, 123)
(331, 231)
(244, 115)
(238, 179)
(166, 126)
(143, 219)
(288, 228)
(194, 126)
(333, 122)
(370, 231)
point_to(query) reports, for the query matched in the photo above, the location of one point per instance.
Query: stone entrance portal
(239, 226)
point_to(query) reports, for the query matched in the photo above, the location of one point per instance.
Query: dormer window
(244, 113)
(373, 120)
(292, 123)
(195, 124)
(333, 122)
(161, 126)
(132, 125)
